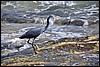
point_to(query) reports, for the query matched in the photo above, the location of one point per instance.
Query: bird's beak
(57, 17)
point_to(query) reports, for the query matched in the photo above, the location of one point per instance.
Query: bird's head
(52, 19)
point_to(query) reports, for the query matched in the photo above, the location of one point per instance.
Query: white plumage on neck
(51, 21)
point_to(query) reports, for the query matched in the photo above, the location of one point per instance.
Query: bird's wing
(34, 32)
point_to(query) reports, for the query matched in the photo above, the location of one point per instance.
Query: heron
(34, 33)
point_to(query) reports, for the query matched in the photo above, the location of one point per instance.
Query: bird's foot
(36, 52)
(37, 47)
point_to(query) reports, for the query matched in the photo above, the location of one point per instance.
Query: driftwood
(72, 41)
(26, 64)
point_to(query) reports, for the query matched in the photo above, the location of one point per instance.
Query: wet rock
(4, 45)
(77, 22)
(61, 40)
(14, 20)
(53, 8)
(91, 22)
(18, 20)
(92, 18)
(9, 7)
(18, 46)
(96, 21)
(32, 21)
(62, 22)
(66, 21)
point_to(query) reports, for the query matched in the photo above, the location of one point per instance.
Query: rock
(32, 21)
(62, 22)
(66, 21)
(77, 22)
(96, 21)
(18, 46)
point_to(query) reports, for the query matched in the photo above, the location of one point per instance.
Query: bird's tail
(21, 37)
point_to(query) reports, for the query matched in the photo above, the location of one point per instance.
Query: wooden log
(65, 43)
(25, 63)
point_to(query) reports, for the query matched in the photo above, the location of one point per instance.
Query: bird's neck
(47, 24)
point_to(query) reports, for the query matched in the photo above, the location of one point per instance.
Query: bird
(34, 33)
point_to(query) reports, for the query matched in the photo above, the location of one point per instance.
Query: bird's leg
(28, 41)
(34, 47)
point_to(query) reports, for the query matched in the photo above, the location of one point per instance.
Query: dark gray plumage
(32, 33)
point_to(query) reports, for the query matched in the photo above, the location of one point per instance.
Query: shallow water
(65, 9)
